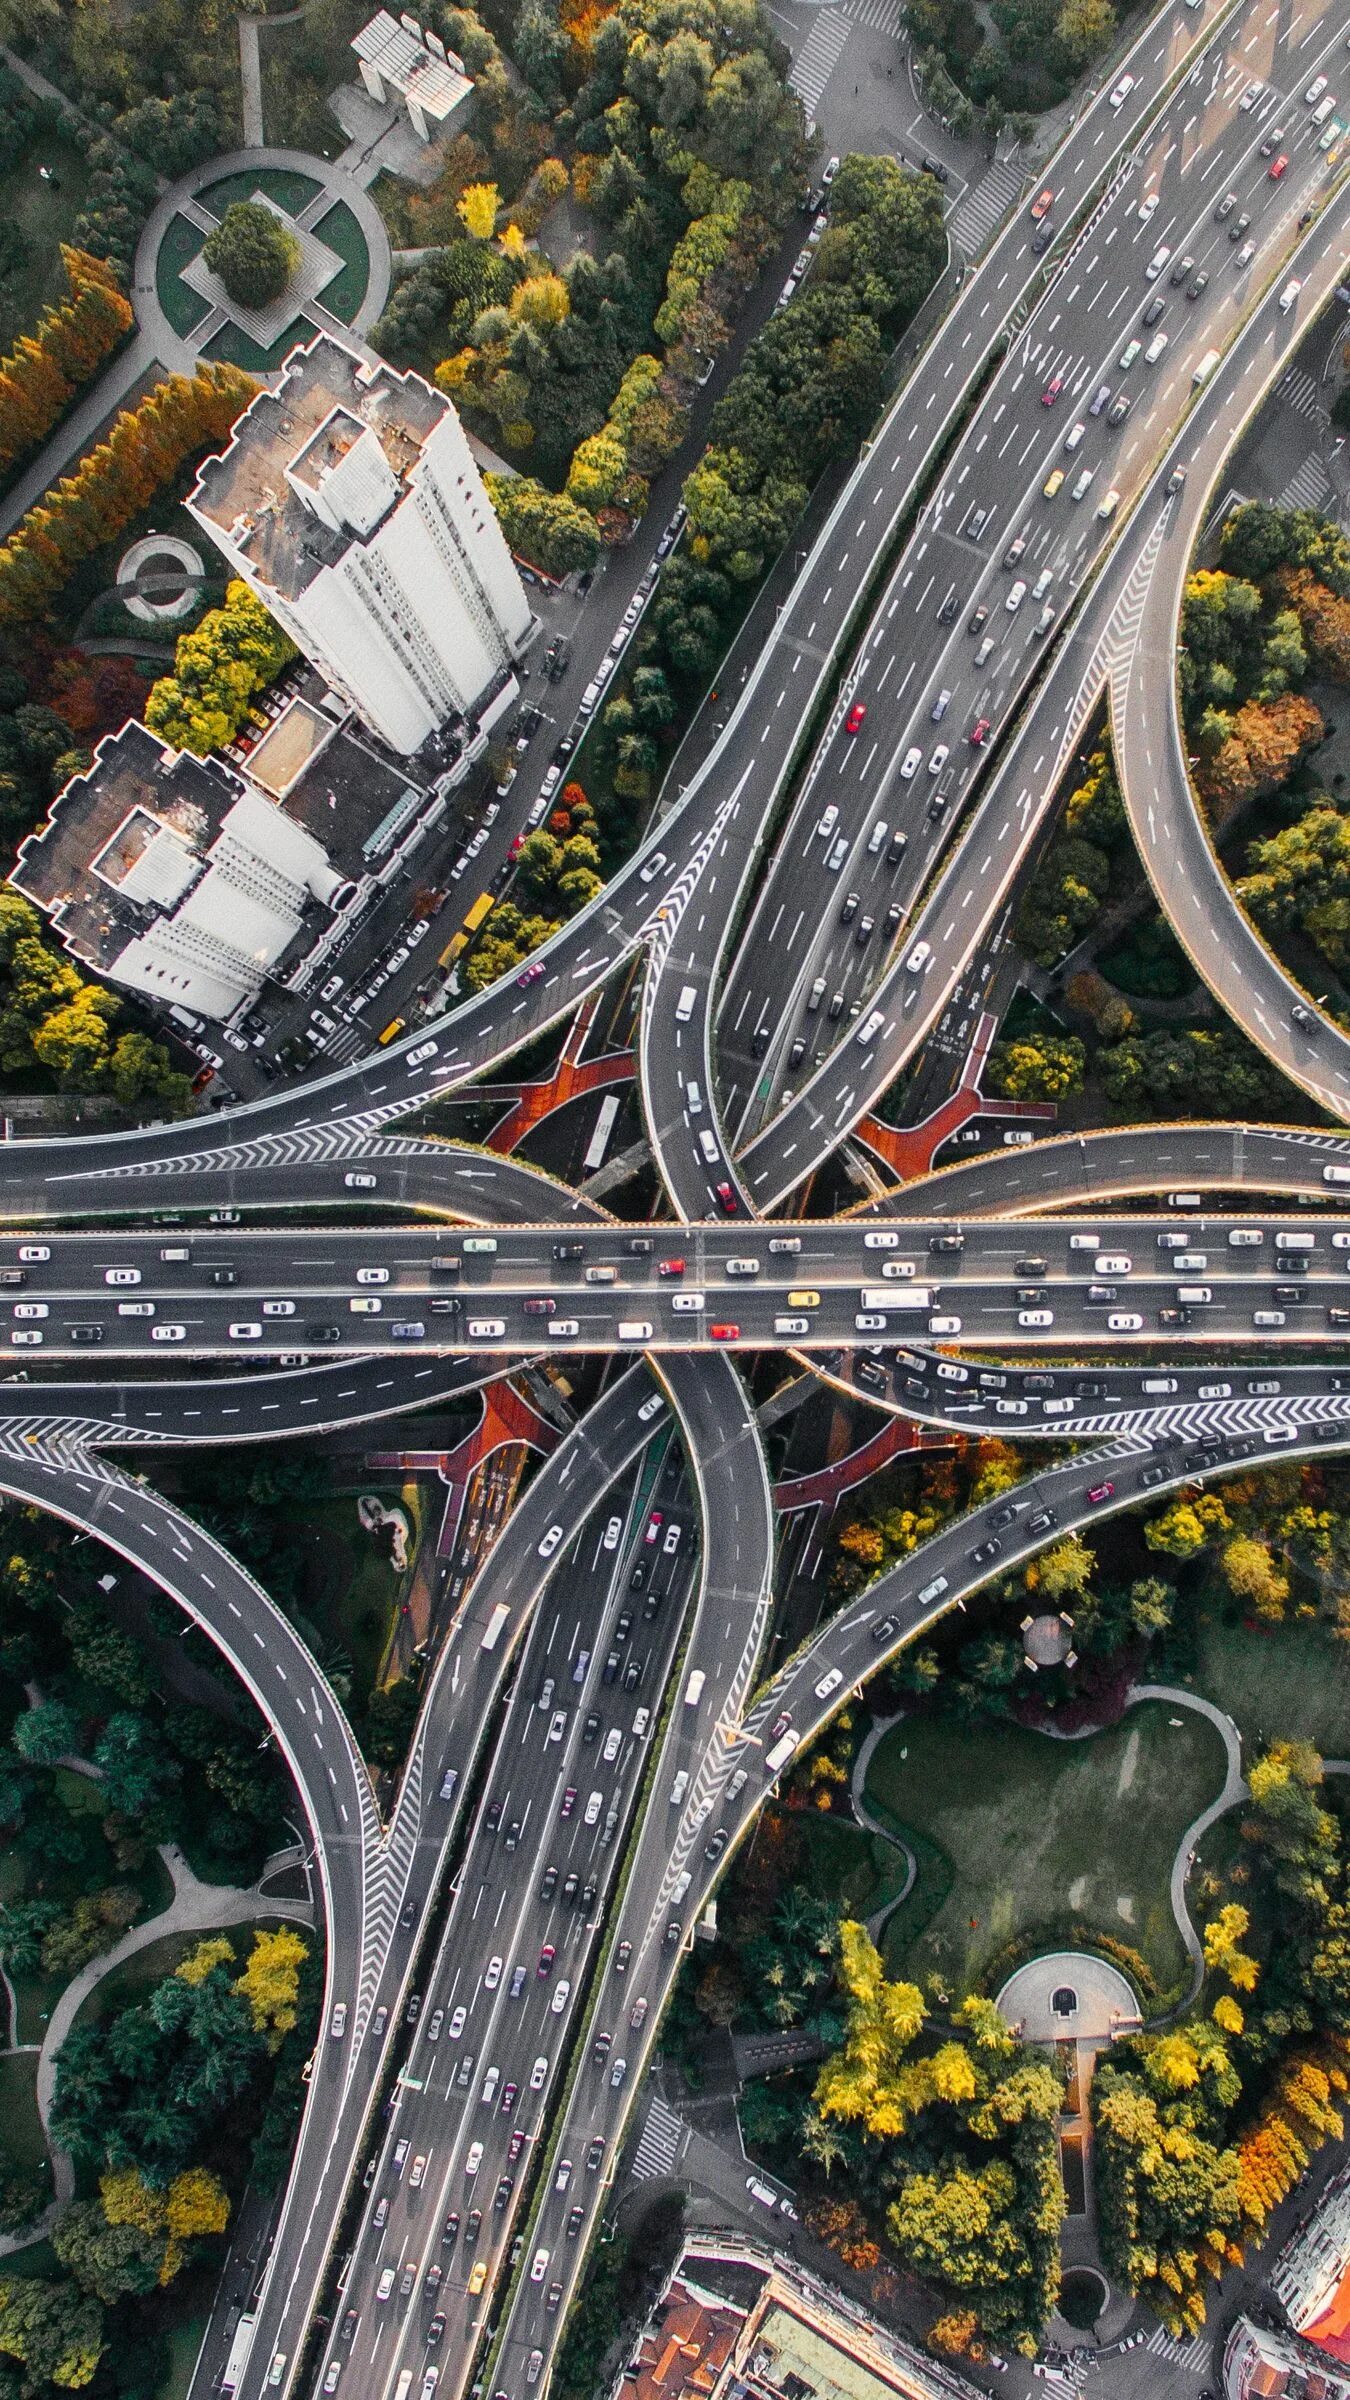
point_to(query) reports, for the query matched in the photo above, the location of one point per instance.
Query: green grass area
(351, 1589)
(183, 307)
(1031, 1832)
(1276, 1681)
(37, 217)
(858, 1870)
(340, 230)
(184, 2344)
(23, 2144)
(233, 343)
(290, 190)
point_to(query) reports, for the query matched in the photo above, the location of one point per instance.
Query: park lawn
(858, 1870)
(24, 2145)
(351, 1590)
(1035, 1833)
(1277, 1681)
(43, 215)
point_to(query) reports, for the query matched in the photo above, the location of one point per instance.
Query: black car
(885, 1629)
(595, 2153)
(472, 2224)
(1031, 1266)
(323, 1333)
(1001, 1518)
(1290, 1295)
(611, 1667)
(450, 2229)
(944, 1245)
(591, 1728)
(569, 1250)
(576, 2216)
(948, 609)
(350, 2321)
(550, 1883)
(494, 1815)
(436, 2330)
(505, 2187)
(1032, 1295)
(984, 1551)
(571, 1886)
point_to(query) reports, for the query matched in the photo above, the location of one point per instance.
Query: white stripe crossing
(1193, 2355)
(1309, 487)
(985, 206)
(884, 16)
(1298, 391)
(663, 2138)
(815, 62)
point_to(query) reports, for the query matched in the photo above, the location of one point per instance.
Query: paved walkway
(196, 1907)
(1234, 1789)
(250, 81)
(876, 1923)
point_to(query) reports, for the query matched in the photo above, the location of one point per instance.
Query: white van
(684, 1006)
(707, 1143)
(693, 1098)
(631, 1329)
(1296, 1241)
(1194, 1295)
(1155, 349)
(1336, 1174)
(693, 1690)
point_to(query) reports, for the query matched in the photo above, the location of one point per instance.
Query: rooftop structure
(737, 2322)
(1261, 2363)
(349, 501)
(417, 65)
(1312, 2272)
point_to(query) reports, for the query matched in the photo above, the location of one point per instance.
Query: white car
(910, 764)
(364, 1275)
(417, 1057)
(829, 1683)
(246, 1333)
(1250, 97)
(1121, 91)
(278, 1308)
(474, 2159)
(562, 1993)
(121, 1274)
(550, 1541)
(33, 1254)
(26, 1335)
(364, 1183)
(1036, 1317)
(1315, 90)
(168, 1333)
(939, 758)
(653, 867)
(1016, 596)
(492, 1975)
(1147, 207)
(944, 1324)
(1123, 1321)
(612, 1532)
(539, 2075)
(613, 1745)
(562, 1328)
(457, 2023)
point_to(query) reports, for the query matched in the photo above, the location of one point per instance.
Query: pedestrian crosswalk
(1193, 2355)
(884, 16)
(663, 2138)
(818, 57)
(1298, 391)
(1309, 488)
(985, 206)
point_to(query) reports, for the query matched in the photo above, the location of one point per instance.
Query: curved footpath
(1234, 1789)
(196, 1907)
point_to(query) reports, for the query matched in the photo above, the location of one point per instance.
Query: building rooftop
(289, 440)
(122, 840)
(433, 78)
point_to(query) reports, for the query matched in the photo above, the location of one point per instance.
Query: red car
(516, 847)
(531, 975)
(653, 1526)
(726, 1199)
(546, 1958)
(855, 717)
(1277, 166)
(1052, 391)
(569, 1801)
(1042, 205)
(979, 733)
(671, 1266)
(724, 1333)
(1101, 1491)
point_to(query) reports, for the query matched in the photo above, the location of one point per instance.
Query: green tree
(1037, 1066)
(253, 253)
(53, 2330)
(47, 1731)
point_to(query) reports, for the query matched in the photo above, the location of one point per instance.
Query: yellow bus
(482, 907)
(394, 1026)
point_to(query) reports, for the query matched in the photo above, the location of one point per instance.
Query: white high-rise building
(350, 502)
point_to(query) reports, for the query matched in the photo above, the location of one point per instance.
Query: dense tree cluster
(1066, 893)
(50, 1017)
(67, 345)
(113, 482)
(811, 381)
(1017, 55)
(1200, 1072)
(252, 252)
(1201, 2131)
(557, 873)
(218, 670)
(1050, 1067)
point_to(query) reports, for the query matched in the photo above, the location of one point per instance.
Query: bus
(460, 941)
(404, 2384)
(599, 1141)
(239, 2350)
(392, 1030)
(495, 1623)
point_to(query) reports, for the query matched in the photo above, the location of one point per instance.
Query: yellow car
(1053, 482)
(477, 2279)
(803, 1299)
(1109, 504)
